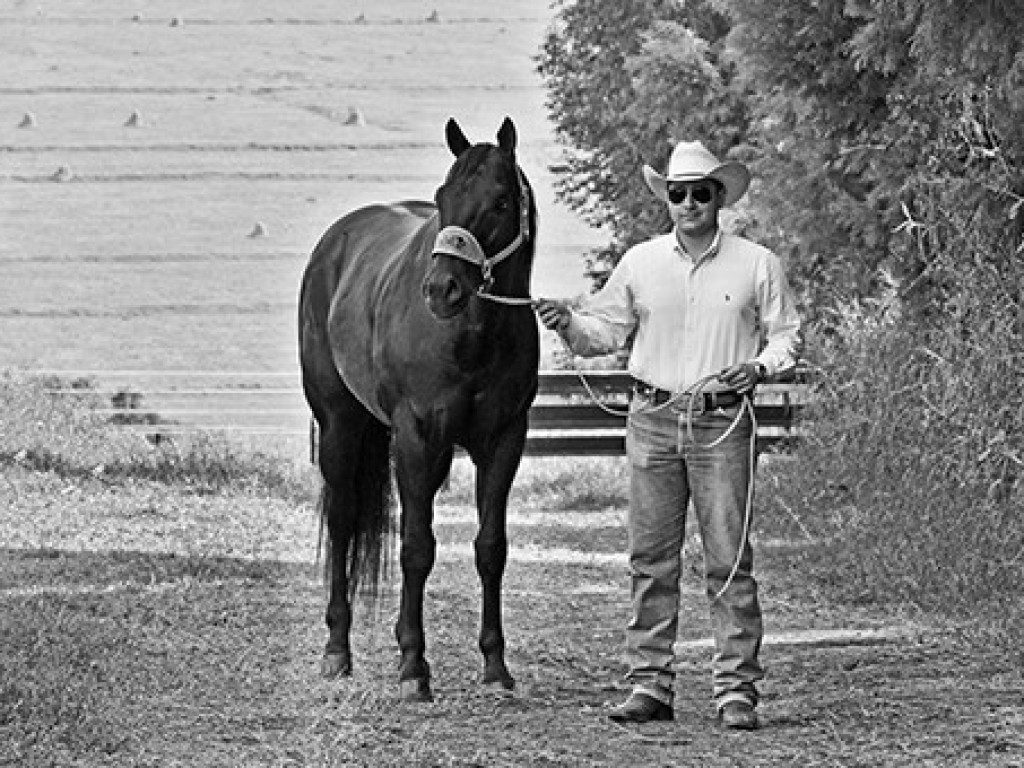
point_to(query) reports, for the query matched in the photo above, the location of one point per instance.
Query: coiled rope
(691, 394)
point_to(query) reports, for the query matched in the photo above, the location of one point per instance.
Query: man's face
(694, 206)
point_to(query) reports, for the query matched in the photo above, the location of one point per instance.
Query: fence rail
(565, 419)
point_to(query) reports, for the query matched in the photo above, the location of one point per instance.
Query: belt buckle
(723, 400)
(693, 403)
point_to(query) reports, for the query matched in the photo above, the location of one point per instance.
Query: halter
(462, 244)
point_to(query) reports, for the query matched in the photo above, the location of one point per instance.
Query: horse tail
(368, 527)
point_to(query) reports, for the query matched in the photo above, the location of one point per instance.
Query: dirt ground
(148, 626)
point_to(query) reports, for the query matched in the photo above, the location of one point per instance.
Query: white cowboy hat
(691, 161)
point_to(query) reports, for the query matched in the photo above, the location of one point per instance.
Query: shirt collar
(709, 253)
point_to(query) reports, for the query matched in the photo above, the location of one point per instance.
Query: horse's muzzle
(446, 297)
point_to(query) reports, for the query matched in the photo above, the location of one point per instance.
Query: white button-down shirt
(692, 317)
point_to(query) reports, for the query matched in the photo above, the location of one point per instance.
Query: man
(711, 314)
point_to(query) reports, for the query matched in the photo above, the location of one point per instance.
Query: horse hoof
(503, 682)
(334, 665)
(416, 690)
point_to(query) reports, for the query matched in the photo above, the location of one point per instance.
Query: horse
(416, 336)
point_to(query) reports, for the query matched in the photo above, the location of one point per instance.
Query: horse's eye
(502, 204)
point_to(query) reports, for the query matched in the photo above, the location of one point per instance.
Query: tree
(625, 81)
(890, 130)
(880, 131)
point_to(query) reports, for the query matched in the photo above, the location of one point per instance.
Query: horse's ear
(507, 135)
(457, 141)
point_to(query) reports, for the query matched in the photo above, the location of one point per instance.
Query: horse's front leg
(495, 474)
(419, 473)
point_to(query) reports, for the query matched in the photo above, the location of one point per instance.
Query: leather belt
(703, 402)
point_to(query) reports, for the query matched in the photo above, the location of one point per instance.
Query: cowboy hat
(691, 161)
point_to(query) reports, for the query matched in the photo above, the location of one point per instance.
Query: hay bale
(177, 21)
(134, 120)
(434, 17)
(28, 121)
(259, 230)
(355, 117)
(63, 174)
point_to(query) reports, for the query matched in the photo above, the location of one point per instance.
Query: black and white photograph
(543, 383)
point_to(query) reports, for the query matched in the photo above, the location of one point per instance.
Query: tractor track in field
(204, 176)
(149, 310)
(355, 21)
(257, 90)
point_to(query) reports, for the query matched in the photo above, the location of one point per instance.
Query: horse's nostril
(445, 290)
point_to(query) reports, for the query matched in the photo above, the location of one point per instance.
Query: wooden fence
(566, 419)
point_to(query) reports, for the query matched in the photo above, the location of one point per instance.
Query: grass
(909, 475)
(68, 436)
(89, 680)
(554, 483)
(165, 610)
(913, 471)
(899, 508)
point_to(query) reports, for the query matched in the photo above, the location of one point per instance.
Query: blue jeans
(668, 470)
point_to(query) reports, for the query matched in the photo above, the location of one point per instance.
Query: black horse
(416, 336)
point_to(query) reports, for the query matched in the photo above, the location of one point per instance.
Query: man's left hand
(742, 377)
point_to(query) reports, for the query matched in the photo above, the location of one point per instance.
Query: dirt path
(147, 626)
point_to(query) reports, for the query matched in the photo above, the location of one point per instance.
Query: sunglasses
(701, 192)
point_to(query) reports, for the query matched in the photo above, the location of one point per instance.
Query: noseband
(462, 244)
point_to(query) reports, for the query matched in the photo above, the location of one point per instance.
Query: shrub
(913, 472)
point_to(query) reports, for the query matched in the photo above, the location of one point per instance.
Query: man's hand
(552, 313)
(742, 377)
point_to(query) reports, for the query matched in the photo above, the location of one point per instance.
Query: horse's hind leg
(335, 499)
(354, 463)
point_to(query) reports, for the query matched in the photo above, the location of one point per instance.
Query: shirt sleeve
(779, 318)
(605, 320)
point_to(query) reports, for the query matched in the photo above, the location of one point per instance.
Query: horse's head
(485, 213)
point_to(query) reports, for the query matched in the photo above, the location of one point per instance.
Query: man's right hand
(552, 313)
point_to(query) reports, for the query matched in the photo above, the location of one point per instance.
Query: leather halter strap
(462, 244)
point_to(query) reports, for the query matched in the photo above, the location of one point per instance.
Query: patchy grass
(553, 482)
(213, 664)
(172, 617)
(51, 432)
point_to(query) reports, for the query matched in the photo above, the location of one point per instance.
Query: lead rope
(508, 301)
(691, 394)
